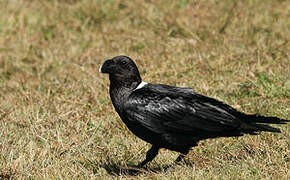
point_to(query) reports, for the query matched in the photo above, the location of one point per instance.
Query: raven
(175, 118)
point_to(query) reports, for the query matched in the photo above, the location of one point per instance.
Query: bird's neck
(120, 89)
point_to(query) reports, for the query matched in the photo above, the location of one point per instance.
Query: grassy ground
(56, 118)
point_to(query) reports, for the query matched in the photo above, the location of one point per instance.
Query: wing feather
(168, 109)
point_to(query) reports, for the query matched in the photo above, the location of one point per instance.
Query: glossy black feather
(165, 108)
(171, 117)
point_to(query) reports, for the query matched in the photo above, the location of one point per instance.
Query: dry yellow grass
(56, 118)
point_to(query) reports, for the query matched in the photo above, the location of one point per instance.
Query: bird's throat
(120, 91)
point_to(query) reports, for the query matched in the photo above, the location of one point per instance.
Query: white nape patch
(141, 85)
(100, 69)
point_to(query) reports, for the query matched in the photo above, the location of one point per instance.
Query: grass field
(56, 117)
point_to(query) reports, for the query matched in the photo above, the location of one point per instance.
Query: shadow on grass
(116, 169)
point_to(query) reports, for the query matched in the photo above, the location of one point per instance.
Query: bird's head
(121, 69)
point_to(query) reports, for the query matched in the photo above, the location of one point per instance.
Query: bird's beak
(106, 67)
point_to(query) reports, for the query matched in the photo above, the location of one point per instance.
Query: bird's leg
(150, 155)
(179, 158)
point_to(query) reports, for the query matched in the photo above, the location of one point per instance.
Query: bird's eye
(123, 62)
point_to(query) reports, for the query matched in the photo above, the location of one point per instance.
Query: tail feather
(254, 123)
(263, 127)
(263, 119)
(253, 128)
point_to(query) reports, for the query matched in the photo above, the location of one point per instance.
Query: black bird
(175, 118)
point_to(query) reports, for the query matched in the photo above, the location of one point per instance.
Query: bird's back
(177, 116)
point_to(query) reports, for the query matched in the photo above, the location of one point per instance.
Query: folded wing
(164, 109)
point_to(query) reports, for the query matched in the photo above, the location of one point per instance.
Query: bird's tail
(254, 123)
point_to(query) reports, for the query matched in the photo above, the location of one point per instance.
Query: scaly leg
(151, 154)
(181, 156)
(177, 160)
